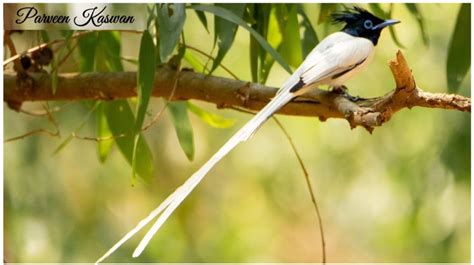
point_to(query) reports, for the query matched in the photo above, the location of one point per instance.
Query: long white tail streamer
(175, 199)
(139, 226)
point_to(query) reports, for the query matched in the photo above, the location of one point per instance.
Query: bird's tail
(174, 200)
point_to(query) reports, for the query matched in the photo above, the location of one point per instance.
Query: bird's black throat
(372, 36)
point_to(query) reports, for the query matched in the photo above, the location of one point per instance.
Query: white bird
(332, 62)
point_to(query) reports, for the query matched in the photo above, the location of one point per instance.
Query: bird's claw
(343, 90)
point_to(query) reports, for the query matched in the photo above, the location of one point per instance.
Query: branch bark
(228, 93)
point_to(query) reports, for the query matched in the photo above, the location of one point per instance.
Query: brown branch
(228, 93)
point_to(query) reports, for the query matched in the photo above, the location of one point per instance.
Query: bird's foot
(340, 89)
(343, 90)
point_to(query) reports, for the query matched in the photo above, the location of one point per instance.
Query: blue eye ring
(368, 24)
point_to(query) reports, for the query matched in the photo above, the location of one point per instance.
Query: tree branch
(228, 93)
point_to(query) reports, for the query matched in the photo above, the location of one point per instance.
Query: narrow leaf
(377, 10)
(225, 31)
(182, 125)
(121, 122)
(290, 48)
(202, 17)
(413, 8)
(310, 38)
(211, 119)
(58, 57)
(254, 49)
(87, 47)
(193, 61)
(103, 132)
(226, 14)
(325, 11)
(145, 76)
(261, 18)
(44, 36)
(274, 35)
(107, 50)
(54, 74)
(171, 19)
(459, 54)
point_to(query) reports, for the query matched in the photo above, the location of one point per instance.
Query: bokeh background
(401, 194)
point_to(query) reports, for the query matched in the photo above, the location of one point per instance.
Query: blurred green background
(401, 194)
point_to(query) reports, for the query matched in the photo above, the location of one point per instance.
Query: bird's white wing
(337, 54)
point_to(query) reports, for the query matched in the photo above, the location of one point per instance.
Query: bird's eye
(368, 24)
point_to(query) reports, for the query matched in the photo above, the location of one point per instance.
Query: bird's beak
(386, 23)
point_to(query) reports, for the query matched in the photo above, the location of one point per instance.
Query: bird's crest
(351, 15)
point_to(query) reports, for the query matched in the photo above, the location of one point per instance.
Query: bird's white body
(335, 54)
(332, 62)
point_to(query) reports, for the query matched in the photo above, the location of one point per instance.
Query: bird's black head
(361, 23)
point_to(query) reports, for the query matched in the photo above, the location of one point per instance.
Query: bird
(333, 61)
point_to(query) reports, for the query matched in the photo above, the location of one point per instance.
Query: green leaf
(54, 74)
(103, 132)
(325, 11)
(413, 8)
(211, 119)
(121, 122)
(171, 19)
(226, 14)
(44, 36)
(377, 10)
(58, 57)
(310, 38)
(193, 61)
(260, 15)
(66, 33)
(182, 125)
(108, 52)
(87, 47)
(151, 14)
(225, 31)
(202, 17)
(145, 77)
(254, 49)
(107, 59)
(274, 35)
(290, 48)
(459, 54)
(395, 39)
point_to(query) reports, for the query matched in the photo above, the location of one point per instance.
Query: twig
(63, 60)
(307, 179)
(143, 129)
(162, 110)
(14, 57)
(39, 131)
(43, 113)
(310, 189)
(11, 46)
(212, 58)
